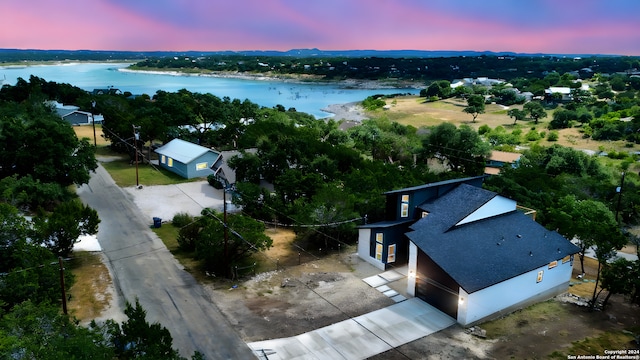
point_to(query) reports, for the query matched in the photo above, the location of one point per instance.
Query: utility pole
(619, 191)
(226, 230)
(135, 146)
(64, 295)
(93, 122)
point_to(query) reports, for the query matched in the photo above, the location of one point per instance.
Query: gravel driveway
(164, 201)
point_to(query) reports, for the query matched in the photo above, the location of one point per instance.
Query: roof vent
(519, 236)
(530, 253)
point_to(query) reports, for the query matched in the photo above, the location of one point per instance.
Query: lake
(305, 97)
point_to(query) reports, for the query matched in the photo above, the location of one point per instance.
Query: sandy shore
(352, 111)
(294, 78)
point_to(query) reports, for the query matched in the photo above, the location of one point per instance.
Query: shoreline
(345, 84)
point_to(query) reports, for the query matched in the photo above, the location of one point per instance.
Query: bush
(532, 135)
(553, 136)
(484, 129)
(188, 236)
(182, 219)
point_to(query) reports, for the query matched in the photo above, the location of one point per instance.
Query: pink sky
(533, 26)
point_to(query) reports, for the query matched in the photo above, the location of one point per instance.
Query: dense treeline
(40, 221)
(413, 69)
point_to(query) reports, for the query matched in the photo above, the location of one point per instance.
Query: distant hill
(17, 55)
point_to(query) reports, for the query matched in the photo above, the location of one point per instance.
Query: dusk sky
(532, 26)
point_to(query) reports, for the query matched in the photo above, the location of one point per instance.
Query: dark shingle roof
(483, 253)
(435, 184)
(455, 205)
(384, 224)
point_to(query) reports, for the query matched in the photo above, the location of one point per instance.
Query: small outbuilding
(187, 159)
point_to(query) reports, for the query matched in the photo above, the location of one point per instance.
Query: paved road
(142, 267)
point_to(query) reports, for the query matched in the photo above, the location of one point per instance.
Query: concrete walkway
(360, 337)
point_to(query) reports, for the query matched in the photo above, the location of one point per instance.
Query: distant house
(499, 159)
(107, 91)
(73, 115)
(187, 159)
(469, 252)
(222, 169)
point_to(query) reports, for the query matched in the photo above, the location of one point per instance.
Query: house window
(391, 254)
(170, 162)
(540, 273)
(404, 207)
(163, 159)
(201, 166)
(379, 252)
(566, 259)
(379, 239)
(553, 264)
(424, 214)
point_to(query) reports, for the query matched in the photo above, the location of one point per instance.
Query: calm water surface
(309, 98)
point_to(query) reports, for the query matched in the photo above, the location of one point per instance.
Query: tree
(535, 110)
(475, 106)
(245, 236)
(137, 339)
(621, 277)
(40, 331)
(60, 230)
(462, 148)
(516, 114)
(593, 225)
(35, 142)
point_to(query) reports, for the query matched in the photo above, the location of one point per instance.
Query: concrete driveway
(164, 201)
(360, 337)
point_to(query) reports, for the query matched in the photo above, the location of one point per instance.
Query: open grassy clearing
(86, 131)
(124, 174)
(88, 296)
(415, 111)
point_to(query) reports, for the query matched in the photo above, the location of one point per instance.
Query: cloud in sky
(548, 26)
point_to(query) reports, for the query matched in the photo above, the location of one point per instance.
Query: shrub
(182, 219)
(484, 129)
(188, 236)
(553, 136)
(532, 135)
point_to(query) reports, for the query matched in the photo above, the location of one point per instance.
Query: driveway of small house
(360, 337)
(164, 201)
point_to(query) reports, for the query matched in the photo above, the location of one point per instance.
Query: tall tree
(592, 224)
(461, 148)
(138, 339)
(535, 110)
(60, 230)
(475, 106)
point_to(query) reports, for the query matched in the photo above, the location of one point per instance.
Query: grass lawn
(124, 174)
(88, 295)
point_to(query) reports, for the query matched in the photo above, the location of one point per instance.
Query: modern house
(469, 252)
(187, 159)
(499, 159)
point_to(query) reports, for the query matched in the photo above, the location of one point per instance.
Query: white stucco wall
(364, 243)
(411, 269)
(496, 206)
(522, 289)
